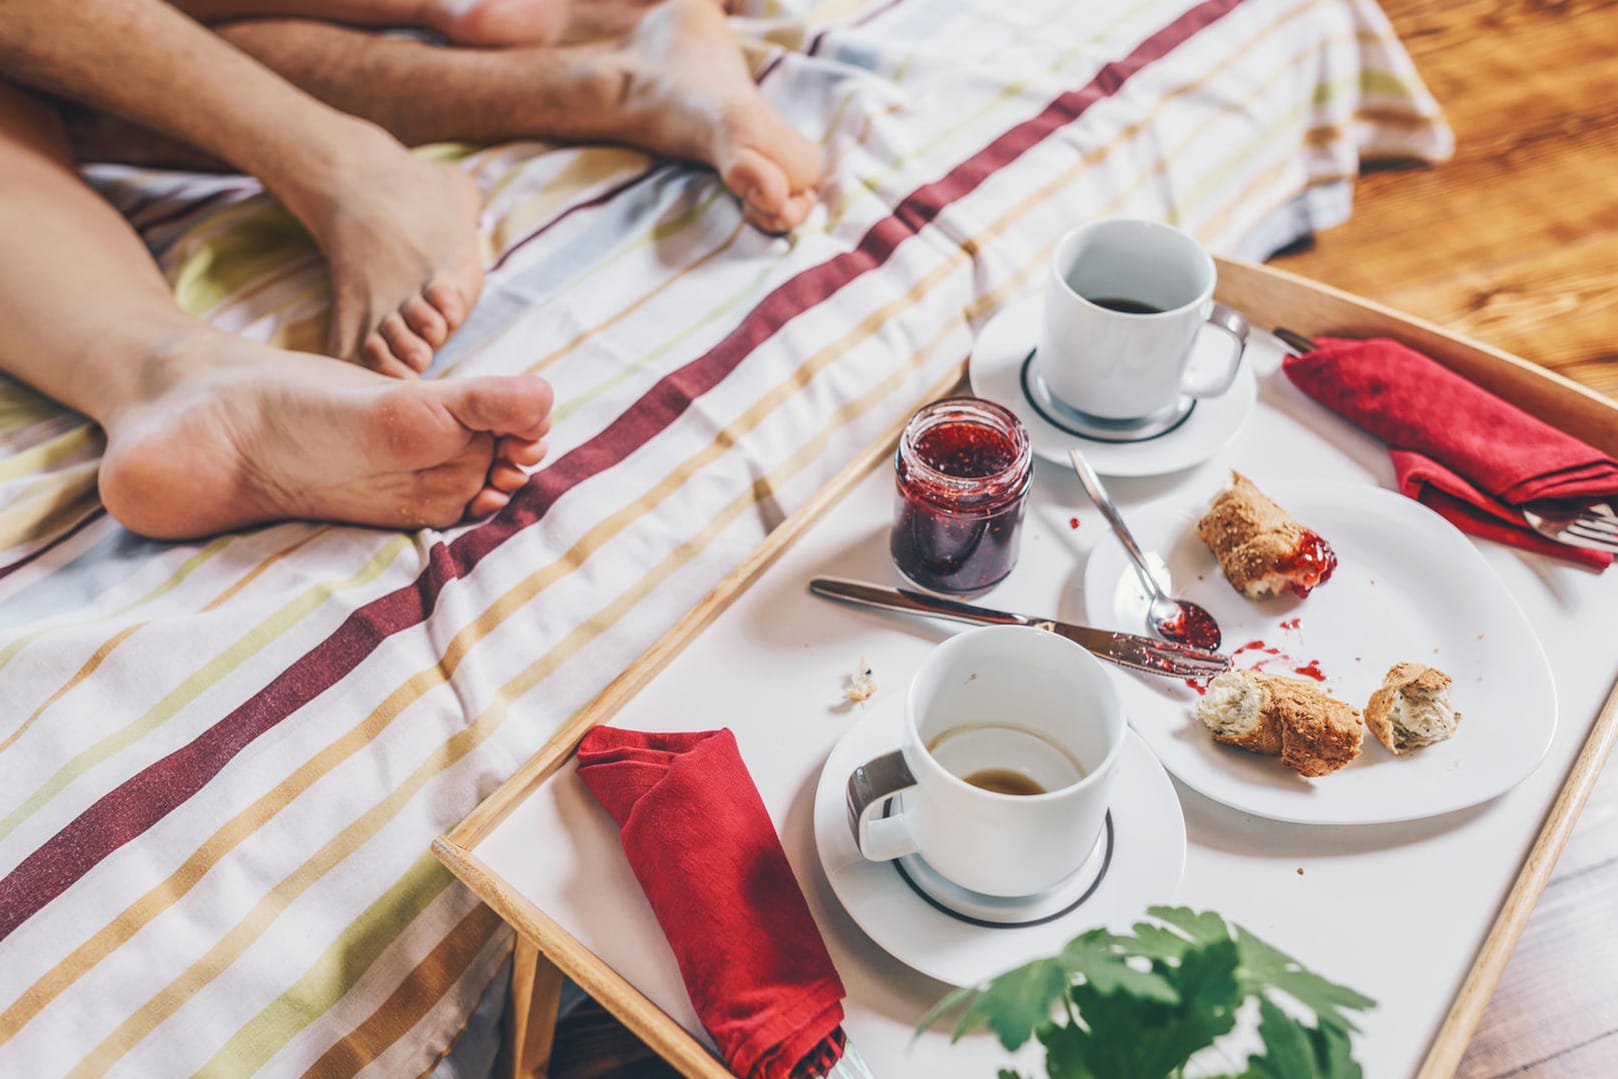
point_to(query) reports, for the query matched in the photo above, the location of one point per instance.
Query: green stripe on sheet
(177, 578)
(357, 947)
(21, 406)
(494, 715)
(42, 455)
(245, 648)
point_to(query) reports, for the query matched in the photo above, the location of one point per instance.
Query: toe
(525, 453)
(346, 336)
(507, 477)
(425, 321)
(378, 355)
(402, 341)
(758, 182)
(450, 300)
(485, 502)
(518, 405)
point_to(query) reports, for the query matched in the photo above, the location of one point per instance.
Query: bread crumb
(1300, 871)
(861, 686)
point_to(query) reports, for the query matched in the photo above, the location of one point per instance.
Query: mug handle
(1230, 322)
(880, 839)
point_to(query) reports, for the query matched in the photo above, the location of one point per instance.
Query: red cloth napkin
(706, 855)
(1457, 448)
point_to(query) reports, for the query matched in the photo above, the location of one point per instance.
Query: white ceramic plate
(995, 373)
(1147, 859)
(1408, 586)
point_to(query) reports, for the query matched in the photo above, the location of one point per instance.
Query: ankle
(309, 183)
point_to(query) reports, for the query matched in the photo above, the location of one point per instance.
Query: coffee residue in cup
(1004, 781)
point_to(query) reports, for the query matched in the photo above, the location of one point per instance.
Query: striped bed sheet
(222, 763)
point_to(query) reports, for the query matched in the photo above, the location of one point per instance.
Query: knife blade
(1138, 653)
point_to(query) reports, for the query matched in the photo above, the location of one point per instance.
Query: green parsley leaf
(1015, 1004)
(1295, 1051)
(1264, 968)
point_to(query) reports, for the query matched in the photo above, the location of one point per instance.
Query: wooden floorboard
(1514, 242)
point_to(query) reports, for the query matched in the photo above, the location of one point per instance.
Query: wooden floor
(1514, 242)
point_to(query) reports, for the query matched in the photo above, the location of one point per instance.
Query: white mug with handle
(1124, 304)
(1016, 709)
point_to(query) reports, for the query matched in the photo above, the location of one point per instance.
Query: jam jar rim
(1009, 483)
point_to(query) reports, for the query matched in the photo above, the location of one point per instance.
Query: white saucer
(1140, 866)
(996, 369)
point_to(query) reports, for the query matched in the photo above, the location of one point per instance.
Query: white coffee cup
(1124, 365)
(1010, 698)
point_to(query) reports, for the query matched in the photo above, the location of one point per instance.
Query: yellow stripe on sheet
(589, 169)
(186, 568)
(243, 825)
(42, 455)
(584, 335)
(245, 648)
(105, 649)
(48, 506)
(20, 406)
(421, 988)
(359, 945)
(592, 626)
(220, 957)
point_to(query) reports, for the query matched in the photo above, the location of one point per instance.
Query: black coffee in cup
(1126, 305)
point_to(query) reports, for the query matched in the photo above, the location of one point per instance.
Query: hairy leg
(468, 22)
(208, 432)
(676, 84)
(400, 233)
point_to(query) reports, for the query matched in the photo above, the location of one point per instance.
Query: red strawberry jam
(963, 470)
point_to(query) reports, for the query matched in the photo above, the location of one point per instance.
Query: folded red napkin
(706, 855)
(1457, 448)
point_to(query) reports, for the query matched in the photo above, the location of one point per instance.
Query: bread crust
(1312, 732)
(1264, 738)
(1319, 733)
(1416, 682)
(1254, 539)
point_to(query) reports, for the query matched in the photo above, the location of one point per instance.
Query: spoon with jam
(1177, 620)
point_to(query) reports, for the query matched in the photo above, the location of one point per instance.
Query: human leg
(676, 84)
(400, 233)
(467, 22)
(208, 432)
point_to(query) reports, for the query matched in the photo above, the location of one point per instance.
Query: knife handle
(902, 599)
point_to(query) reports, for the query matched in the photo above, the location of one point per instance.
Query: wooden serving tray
(1269, 298)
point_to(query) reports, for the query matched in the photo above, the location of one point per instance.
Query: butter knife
(1125, 649)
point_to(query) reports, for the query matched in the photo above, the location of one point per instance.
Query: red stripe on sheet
(125, 812)
(84, 522)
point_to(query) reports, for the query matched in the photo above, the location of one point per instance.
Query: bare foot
(400, 234)
(686, 91)
(534, 22)
(499, 22)
(234, 433)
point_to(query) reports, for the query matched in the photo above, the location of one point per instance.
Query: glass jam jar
(963, 469)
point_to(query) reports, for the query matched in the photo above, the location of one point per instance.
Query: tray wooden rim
(1268, 297)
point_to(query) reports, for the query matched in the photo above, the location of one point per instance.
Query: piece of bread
(1261, 550)
(1312, 732)
(1412, 709)
(1232, 708)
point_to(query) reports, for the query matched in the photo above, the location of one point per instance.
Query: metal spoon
(1177, 620)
